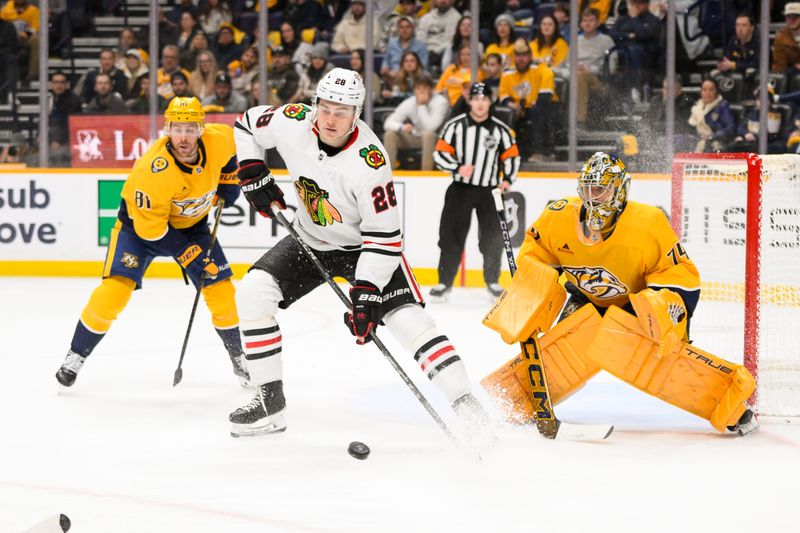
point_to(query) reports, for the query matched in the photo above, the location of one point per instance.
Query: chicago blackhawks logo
(597, 281)
(322, 212)
(373, 156)
(296, 111)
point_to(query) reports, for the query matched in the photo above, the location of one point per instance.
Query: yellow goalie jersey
(162, 191)
(642, 251)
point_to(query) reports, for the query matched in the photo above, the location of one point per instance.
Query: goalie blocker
(656, 360)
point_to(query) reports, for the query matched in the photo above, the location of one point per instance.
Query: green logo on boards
(108, 198)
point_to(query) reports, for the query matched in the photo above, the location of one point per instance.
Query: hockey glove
(197, 263)
(259, 187)
(367, 302)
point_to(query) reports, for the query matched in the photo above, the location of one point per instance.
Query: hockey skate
(68, 372)
(748, 423)
(240, 369)
(263, 415)
(440, 293)
(477, 432)
(495, 290)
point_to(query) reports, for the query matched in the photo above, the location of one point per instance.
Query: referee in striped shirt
(482, 154)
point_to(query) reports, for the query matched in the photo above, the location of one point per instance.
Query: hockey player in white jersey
(348, 214)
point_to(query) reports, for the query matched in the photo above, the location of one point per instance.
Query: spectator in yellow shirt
(529, 92)
(456, 75)
(503, 40)
(549, 48)
(25, 18)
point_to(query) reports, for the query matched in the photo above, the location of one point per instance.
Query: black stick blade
(178, 377)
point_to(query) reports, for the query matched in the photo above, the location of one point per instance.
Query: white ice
(124, 451)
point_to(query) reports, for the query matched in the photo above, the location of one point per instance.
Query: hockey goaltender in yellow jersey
(632, 291)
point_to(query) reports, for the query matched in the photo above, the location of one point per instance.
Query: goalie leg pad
(531, 303)
(416, 330)
(689, 378)
(106, 303)
(565, 363)
(221, 301)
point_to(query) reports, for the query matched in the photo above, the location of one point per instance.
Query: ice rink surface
(124, 451)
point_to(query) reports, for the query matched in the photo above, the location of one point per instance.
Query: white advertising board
(58, 216)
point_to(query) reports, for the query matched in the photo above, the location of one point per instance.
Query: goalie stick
(179, 371)
(546, 422)
(346, 301)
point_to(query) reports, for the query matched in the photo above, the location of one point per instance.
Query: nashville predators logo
(373, 156)
(597, 282)
(296, 111)
(322, 212)
(195, 207)
(159, 164)
(129, 260)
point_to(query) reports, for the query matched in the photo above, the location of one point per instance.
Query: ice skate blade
(272, 424)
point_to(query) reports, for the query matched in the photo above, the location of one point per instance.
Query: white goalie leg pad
(414, 328)
(257, 302)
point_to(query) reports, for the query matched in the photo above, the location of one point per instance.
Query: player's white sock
(262, 342)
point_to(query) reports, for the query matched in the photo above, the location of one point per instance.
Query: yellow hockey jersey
(524, 88)
(642, 251)
(162, 191)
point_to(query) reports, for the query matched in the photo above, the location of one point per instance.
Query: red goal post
(738, 216)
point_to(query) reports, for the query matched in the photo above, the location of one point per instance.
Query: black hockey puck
(359, 450)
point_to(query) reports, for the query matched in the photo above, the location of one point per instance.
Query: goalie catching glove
(364, 318)
(663, 316)
(259, 187)
(196, 262)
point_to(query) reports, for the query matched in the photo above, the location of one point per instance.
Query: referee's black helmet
(479, 89)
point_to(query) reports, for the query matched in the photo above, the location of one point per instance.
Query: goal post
(738, 216)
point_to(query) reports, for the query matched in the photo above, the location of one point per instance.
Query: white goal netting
(712, 194)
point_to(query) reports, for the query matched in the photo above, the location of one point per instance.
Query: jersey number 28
(384, 198)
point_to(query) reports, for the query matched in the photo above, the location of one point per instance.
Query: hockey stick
(179, 371)
(546, 422)
(346, 301)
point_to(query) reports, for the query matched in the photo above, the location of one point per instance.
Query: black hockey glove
(367, 302)
(259, 187)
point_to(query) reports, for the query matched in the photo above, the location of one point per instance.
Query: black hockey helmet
(479, 89)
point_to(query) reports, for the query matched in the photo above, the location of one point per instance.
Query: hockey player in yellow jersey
(164, 211)
(632, 292)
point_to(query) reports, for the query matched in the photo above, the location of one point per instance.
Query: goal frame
(752, 267)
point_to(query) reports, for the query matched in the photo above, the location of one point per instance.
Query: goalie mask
(603, 188)
(341, 86)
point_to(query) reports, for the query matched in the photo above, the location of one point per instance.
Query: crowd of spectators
(209, 51)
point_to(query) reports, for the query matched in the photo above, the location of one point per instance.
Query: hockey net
(740, 224)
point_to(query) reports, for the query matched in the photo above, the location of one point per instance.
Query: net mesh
(714, 233)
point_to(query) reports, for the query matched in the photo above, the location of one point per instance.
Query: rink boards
(56, 222)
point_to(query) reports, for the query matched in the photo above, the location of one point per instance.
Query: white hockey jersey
(346, 201)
